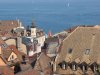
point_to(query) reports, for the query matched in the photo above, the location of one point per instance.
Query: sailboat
(68, 4)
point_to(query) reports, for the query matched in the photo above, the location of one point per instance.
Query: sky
(29, 1)
(25, 1)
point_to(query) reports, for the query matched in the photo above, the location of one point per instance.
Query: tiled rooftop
(79, 40)
(6, 27)
(6, 71)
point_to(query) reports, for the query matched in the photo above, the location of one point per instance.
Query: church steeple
(33, 25)
(33, 30)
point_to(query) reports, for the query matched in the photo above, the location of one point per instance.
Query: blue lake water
(55, 15)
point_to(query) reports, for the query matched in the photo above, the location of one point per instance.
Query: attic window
(87, 51)
(94, 67)
(84, 68)
(63, 65)
(12, 49)
(12, 58)
(4, 45)
(70, 50)
(74, 66)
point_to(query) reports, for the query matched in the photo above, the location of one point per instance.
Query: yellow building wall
(11, 42)
(0, 50)
(23, 48)
(2, 63)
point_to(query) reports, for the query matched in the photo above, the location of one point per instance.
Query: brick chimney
(19, 40)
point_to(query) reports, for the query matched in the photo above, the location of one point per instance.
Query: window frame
(87, 51)
(69, 51)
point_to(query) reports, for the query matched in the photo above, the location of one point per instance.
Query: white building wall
(31, 53)
(41, 40)
(33, 32)
(11, 42)
(38, 49)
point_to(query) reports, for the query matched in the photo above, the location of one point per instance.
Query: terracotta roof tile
(3, 59)
(29, 72)
(9, 24)
(6, 53)
(9, 50)
(6, 27)
(43, 62)
(6, 70)
(52, 39)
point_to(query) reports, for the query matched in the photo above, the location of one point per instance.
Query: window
(70, 50)
(4, 45)
(23, 57)
(12, 49)
(94, 67)
(87, 51)
(32, 31)
(84, 66)
(63, 65)
(74, 66)
(12, 57)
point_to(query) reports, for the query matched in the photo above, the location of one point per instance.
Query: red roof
(6, 71)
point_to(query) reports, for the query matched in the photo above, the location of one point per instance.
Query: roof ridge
(3, 59)
(71, 33)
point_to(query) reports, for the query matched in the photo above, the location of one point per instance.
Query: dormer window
(12, 58)
(94, 67)
(74, 66)
(12, 49)
(70, 50)
(84, 67)
(63, 65)
(87, 51)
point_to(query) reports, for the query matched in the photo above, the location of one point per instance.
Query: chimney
(19, 40)
(18, 21)
(49, 34)
(59, 40)
(0, 50)
(20, 24)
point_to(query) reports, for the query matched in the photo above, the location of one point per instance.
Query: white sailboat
(68, 4)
